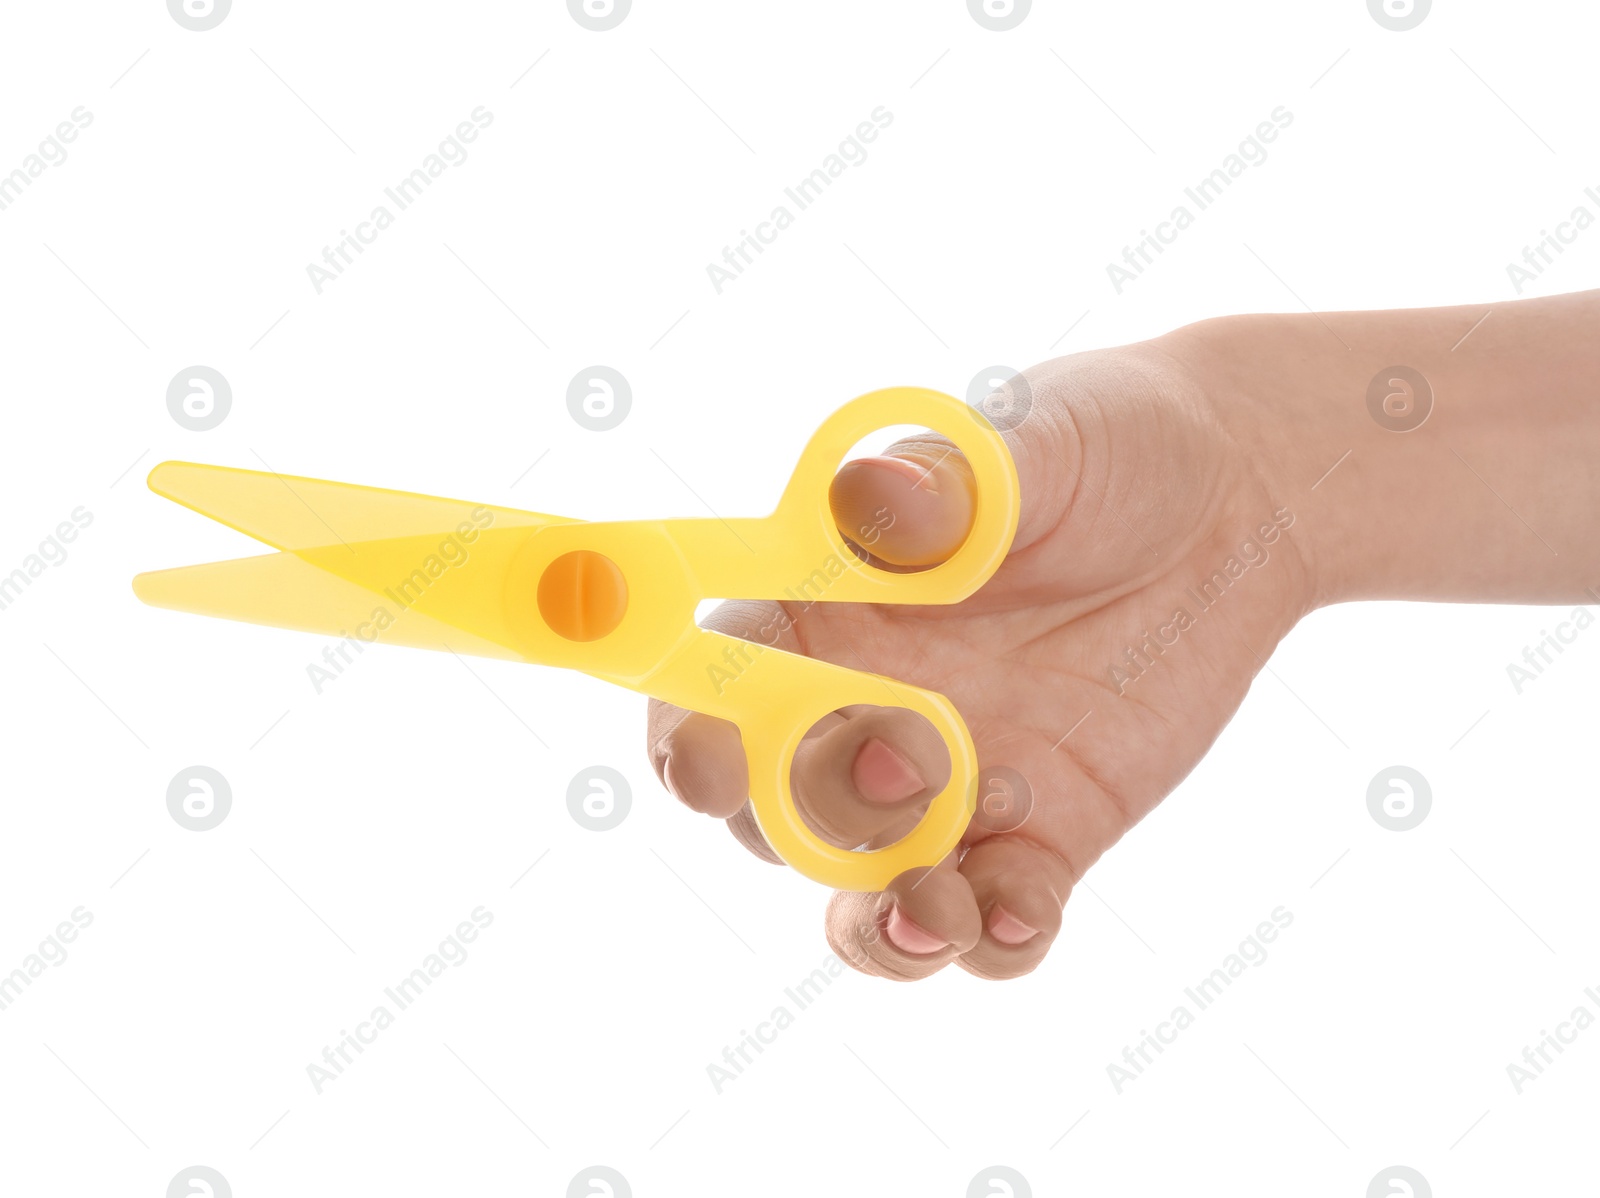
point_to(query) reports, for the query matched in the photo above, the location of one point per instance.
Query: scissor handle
(809, 689)
(804, 508)
(812, 689)
(775, 697)
(775, 555)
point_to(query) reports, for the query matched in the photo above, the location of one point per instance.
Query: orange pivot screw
(582, 595)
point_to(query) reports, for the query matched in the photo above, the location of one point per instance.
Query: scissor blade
(285, 590)
(434, 571)
(290, 512)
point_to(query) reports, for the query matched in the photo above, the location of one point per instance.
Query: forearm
(1493, 497)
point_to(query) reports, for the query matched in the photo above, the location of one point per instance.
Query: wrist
(1246, 367)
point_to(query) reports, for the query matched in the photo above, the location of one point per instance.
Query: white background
(370, 819)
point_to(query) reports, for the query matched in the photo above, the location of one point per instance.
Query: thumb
(911, 506)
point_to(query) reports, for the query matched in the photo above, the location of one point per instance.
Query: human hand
(1160, 556)
(1150, 578)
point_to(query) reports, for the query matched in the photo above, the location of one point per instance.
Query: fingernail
(909, 937)
(913, 472)
(883, 776)
(666, 777)
(1008, 929)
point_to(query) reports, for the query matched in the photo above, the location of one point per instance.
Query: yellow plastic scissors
(617, 600)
